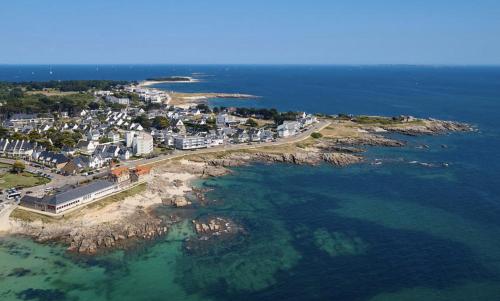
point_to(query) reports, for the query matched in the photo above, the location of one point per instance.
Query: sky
(444, 32)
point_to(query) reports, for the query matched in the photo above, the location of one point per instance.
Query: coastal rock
(233, 161)
(371, 140)
(180, 201)
(87, 246)
(91, 239)
(341, 159)
(215, 169)
(293, 158)
(215, 226)
(431, 127)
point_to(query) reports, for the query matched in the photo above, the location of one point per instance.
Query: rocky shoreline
(90, 240)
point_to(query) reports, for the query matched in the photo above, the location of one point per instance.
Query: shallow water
(394, 231)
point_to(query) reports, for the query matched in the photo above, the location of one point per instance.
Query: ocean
(399, 230)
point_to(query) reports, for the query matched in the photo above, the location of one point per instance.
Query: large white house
(288, 128)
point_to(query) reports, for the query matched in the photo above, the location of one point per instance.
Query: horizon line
(253, 64)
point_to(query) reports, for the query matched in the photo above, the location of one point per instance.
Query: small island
(152, 149)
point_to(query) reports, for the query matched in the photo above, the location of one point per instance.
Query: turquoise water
(395, 231)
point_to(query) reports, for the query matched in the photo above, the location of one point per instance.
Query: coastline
(147, 83)
(184, 100)
(118, 224)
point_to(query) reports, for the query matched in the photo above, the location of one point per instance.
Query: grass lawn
(29, 216)
(118, 197)
(5, 165)
(9, 180)
(161, 151)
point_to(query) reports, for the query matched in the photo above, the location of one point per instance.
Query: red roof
(142, 170)
(119, 171)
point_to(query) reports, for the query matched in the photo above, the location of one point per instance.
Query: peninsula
(114, 157)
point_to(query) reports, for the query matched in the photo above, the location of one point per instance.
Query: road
(231, 147)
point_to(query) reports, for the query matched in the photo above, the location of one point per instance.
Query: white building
(66, 200)
(103, 93)
(114, 137)
(142, 144)
(129, 138)
(121, 101)
(288, 128)
(93, 135)
(191, 142)
(224, 119)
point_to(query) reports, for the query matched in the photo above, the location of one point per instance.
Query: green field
(25, 180)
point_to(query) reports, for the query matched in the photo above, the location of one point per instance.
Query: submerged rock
(339, 243)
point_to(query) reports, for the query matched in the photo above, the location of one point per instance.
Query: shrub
(316, 135)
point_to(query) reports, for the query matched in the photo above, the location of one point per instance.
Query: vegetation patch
(118, 197)
(316, 135)
(25, 180)
(29, 216)
(5, 165)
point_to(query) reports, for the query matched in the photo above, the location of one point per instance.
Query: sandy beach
(148, 83)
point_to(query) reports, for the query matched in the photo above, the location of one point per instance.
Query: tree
(94, 105)
(34, 135)
(18, 167)
(117, 106)
(143, 120)
(161, 122)
(203, 108)
(103, 140)
(16, 93)
(18, 136)
(63, 139)
(3, 132)
(252, 123)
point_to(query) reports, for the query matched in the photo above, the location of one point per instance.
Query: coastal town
(87, 163)
(104, 148)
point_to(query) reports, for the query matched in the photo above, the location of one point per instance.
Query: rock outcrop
(91, 239)
(341, 159)
(430, 127)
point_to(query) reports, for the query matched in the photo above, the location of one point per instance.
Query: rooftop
(119, 171)
(68, 195)
(80, 191)
(142, 170)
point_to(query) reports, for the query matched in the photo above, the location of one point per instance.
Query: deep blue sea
(395, 231)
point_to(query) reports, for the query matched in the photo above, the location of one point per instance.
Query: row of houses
(16, 148)
(17, 121)
(64, 161)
